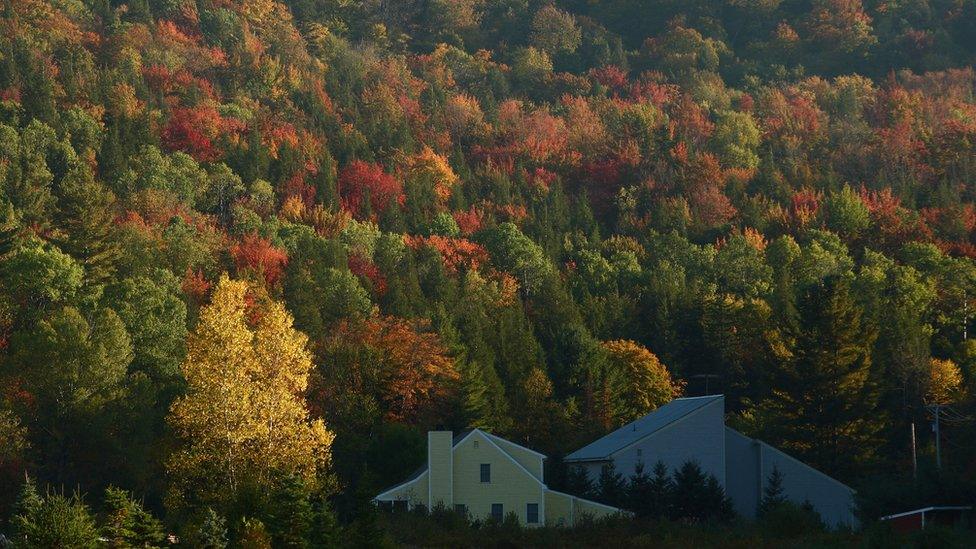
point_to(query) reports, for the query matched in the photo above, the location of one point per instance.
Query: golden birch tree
(244, 418)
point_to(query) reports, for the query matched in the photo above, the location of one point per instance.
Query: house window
(485, 472)
(532, 513)
(400, 505)
(461, 509)
(497, 512)
(640, 454)
(476, 445)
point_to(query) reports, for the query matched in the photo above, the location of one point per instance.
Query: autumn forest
(251, 251)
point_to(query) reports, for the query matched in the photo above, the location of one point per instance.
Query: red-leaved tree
(361, 179)
(258, 255)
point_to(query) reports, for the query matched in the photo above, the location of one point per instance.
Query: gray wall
(833, 500)
(743, 484)
(696, 437)
(749, 464)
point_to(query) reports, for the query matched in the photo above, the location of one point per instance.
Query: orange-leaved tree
(385, 368)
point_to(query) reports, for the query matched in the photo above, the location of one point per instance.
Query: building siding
(696, 437)
(516, 481)
(414, 492)
(565, 510)
(741, 464)
(586, 508)
(510, 484)
(532, 461)
(559, 509)
(743, 482)
(749, 464)
(833, 500)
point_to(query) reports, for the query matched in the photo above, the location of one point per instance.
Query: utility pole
(938, 439)
(914, 455)
(965, 314)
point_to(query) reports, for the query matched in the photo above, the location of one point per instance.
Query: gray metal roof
(602, 448)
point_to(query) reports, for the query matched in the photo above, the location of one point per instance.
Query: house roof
(602, 448)
(930, 509)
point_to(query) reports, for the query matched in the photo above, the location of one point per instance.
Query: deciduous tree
(244, 418)
(648, 383)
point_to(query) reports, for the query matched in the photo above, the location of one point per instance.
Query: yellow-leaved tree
(433, 169)
(945, 383)
(244, 418)
(647, 382)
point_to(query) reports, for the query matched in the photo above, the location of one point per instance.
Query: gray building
(693, 429)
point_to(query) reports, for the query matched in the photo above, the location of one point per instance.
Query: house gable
(510, 484)
(696, 436)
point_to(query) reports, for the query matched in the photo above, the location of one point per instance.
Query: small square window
(475, 445)
(497, 512)
(532, 513)
(485, 472)
(400, 505)
(461, 509)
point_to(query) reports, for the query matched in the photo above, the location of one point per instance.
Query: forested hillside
(252, 250)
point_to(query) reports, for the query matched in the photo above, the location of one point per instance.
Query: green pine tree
(660, 492)
(772, 492)
(578, 482)
(53, 521)
(85, 220)
(698, 495)
(825, 407)
(365, 532)
(212, 533)
(9, 228)
(611, 487)
(27, 507)
(253, 535)
(127, 524)
(638, 491)
(326, 531)
(291, 515)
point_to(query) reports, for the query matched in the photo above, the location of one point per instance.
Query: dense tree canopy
(543, 218)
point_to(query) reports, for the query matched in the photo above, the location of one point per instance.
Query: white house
(693, 429)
